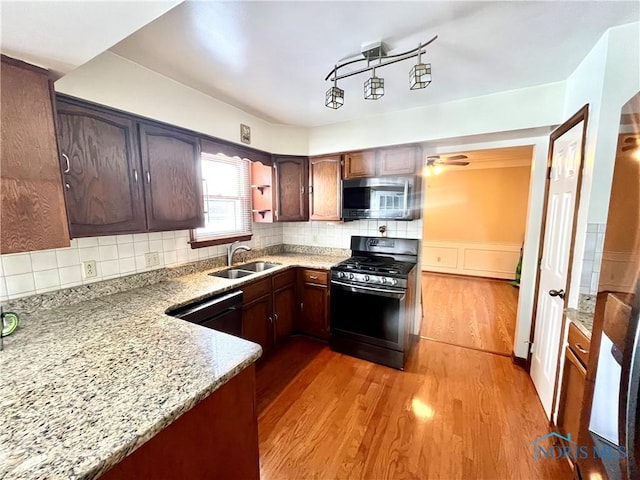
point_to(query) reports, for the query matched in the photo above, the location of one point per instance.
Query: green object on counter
(10, 322)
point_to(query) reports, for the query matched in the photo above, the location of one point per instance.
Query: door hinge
(549, 173)
(540, 263)
(310, 189)
(342, 163)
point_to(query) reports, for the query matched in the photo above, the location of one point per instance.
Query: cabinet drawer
(315, 276)
(579, 344)
(283, 279)
(256, 289)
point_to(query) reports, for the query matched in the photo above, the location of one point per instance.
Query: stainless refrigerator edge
(611, 420)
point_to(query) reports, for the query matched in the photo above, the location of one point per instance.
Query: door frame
(581, 115)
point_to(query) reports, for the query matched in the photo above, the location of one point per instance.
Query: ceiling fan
(458, 160)
(434, 163)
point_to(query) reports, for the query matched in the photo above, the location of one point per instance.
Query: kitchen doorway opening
(474, 222)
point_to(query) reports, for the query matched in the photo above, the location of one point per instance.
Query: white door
(563, 184)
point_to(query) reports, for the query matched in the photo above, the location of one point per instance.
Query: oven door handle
(370, 290)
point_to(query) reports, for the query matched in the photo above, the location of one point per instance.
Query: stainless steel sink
(244, 270)
(258, 266)
(231, 273)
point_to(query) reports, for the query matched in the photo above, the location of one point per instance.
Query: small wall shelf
(261, 187)
(261, 212)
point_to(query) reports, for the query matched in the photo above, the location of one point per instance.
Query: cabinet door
(571, 395)
(398, 160)
(325, 193)
(292, 204)
(360, 164)
(257, 322)
(313, 319)
(284, 304)
(33, 211)
(172, 179)
(101, 171)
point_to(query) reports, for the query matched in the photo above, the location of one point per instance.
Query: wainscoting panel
(494, 260)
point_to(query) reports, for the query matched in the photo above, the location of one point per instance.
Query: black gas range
(373, 301)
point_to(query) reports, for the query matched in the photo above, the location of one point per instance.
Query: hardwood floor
(472, 312)
(455, 413)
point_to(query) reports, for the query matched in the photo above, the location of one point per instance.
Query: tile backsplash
(338, 234)
(29, 273)
(592, 259)
(24, 274)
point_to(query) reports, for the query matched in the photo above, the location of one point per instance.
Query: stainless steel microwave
(389, 198)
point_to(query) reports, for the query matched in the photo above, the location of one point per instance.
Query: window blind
(227, 197)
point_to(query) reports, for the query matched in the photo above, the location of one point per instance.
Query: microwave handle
(406, 198)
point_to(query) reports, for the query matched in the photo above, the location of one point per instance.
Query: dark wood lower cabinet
(218, 438)
(284, 302)
(257, 322)
(269, 309)
(314, 303)
(571, 395)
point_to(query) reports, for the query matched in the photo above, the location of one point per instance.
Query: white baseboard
(494, 260)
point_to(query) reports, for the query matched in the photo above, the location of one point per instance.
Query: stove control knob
(366, 278)
(383, 280)
(393, 281)
(351, 276)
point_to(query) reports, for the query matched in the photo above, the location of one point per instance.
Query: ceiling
(62, 35)
(270, 58)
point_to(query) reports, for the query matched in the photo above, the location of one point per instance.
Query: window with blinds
(227, 199)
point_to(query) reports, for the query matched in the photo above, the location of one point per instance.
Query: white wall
(526, 108)
(114, 81)
(24, 274)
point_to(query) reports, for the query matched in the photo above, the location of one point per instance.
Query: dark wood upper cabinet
(360, 164)
(33, 211)
(325, 192)
(292, 201)
(398, 160)
(401, 160)
(101, 171)
(172, 178)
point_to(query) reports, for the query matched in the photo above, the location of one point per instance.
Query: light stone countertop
(86, 384)
(582, 320)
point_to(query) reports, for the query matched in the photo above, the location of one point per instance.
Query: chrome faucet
(232, 249)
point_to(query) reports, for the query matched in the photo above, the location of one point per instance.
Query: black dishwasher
(222, 313)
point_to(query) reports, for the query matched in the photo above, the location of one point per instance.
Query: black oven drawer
(368, 314)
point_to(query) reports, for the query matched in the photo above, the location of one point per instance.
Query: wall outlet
(151, 259)
(89, 269)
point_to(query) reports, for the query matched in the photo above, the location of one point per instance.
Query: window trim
(210, 242)
(232, 151)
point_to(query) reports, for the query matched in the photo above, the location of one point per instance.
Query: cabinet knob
(271, 320)
(275, 316)
(67, 186)
(135, 175)
(148, 177)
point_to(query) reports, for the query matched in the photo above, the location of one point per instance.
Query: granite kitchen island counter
(86, 384)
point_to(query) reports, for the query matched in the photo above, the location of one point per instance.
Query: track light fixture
(419, 76)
